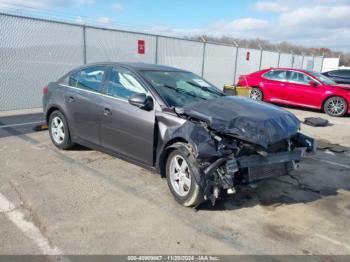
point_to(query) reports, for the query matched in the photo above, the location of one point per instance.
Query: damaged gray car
(176, 123)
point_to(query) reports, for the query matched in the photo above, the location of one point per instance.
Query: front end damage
(237, 142)
(243, 164)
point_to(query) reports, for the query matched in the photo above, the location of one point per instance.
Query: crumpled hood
(255, 122)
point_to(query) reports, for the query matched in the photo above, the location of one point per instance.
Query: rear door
(126, 129)
(274, 86)
(84, 102)
(301, 92)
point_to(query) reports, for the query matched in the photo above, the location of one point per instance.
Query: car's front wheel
(59, 132)
(335, 106)
(180, 168)
(256, 94)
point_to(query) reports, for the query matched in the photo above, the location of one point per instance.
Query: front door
(126, 129)
(301, 92)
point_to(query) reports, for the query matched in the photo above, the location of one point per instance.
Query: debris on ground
(316, 121)
(41, 127)
(336, 148)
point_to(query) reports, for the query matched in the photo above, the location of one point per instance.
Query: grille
(268, 171)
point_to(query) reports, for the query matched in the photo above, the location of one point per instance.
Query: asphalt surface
(20, 124)
(85, 202)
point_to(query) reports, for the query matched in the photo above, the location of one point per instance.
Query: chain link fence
(35, 51)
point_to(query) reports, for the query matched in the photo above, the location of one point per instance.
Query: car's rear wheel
(256, 94)
(335, 106)
(59, 131)
(180, 168)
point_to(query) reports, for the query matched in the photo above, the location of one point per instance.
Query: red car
(298, 88)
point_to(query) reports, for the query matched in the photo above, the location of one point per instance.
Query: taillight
(45, 90)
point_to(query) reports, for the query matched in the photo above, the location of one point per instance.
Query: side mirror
(142, 101)
(313, 83)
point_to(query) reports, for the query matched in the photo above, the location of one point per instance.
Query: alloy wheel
(336, 107)
(256, 94)
(180, 175)
(57, 130)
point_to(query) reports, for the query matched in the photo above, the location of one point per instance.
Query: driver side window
(299, 78)
(123, 84)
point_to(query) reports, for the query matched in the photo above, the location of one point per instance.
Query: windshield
(181, 88)
(325, 80)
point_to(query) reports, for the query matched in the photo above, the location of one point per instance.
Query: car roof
(137, 66)
(294, 69)
(340, 69)
(308, 72)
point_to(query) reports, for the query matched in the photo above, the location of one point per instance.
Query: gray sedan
(176, 123)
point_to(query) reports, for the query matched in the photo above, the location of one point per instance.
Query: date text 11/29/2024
(173, 258)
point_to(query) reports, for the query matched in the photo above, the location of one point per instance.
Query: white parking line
(336, 242)
(331, 162)
(23, 124)
(27, 227)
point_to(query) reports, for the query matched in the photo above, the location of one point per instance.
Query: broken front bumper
(256, 167)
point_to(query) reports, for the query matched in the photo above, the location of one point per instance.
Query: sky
(312, 23)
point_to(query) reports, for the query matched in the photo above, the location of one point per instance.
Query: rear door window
(89, 78)
(71, 80)
(277, 75)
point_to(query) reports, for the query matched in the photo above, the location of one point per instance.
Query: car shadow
(78, 147)
(316, 179)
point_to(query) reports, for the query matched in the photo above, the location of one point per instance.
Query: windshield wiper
(205, 88)
(181, 91)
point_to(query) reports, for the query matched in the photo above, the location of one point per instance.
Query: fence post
(292, 53)
(203, 57)
(261, 54)
(322, 62)
(302, 61)
(156, 54)
(84, 43)
(236, 58)
(279, 57)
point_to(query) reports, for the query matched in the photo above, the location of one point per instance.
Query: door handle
(107, 112)
(71, 99)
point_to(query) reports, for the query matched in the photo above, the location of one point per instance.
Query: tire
(256, 94)
(59, 131)
(335, 106)
(187, 192)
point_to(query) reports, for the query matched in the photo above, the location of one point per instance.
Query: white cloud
(117, 7)
(79, 20)
(244, 24)
(42, 3)
(104, 20)
(268, 6)
(319, 16)
(316, 23)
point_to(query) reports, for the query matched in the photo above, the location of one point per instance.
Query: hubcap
(255, 94)
(57, 130)
(336, 107)
(180, 175)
